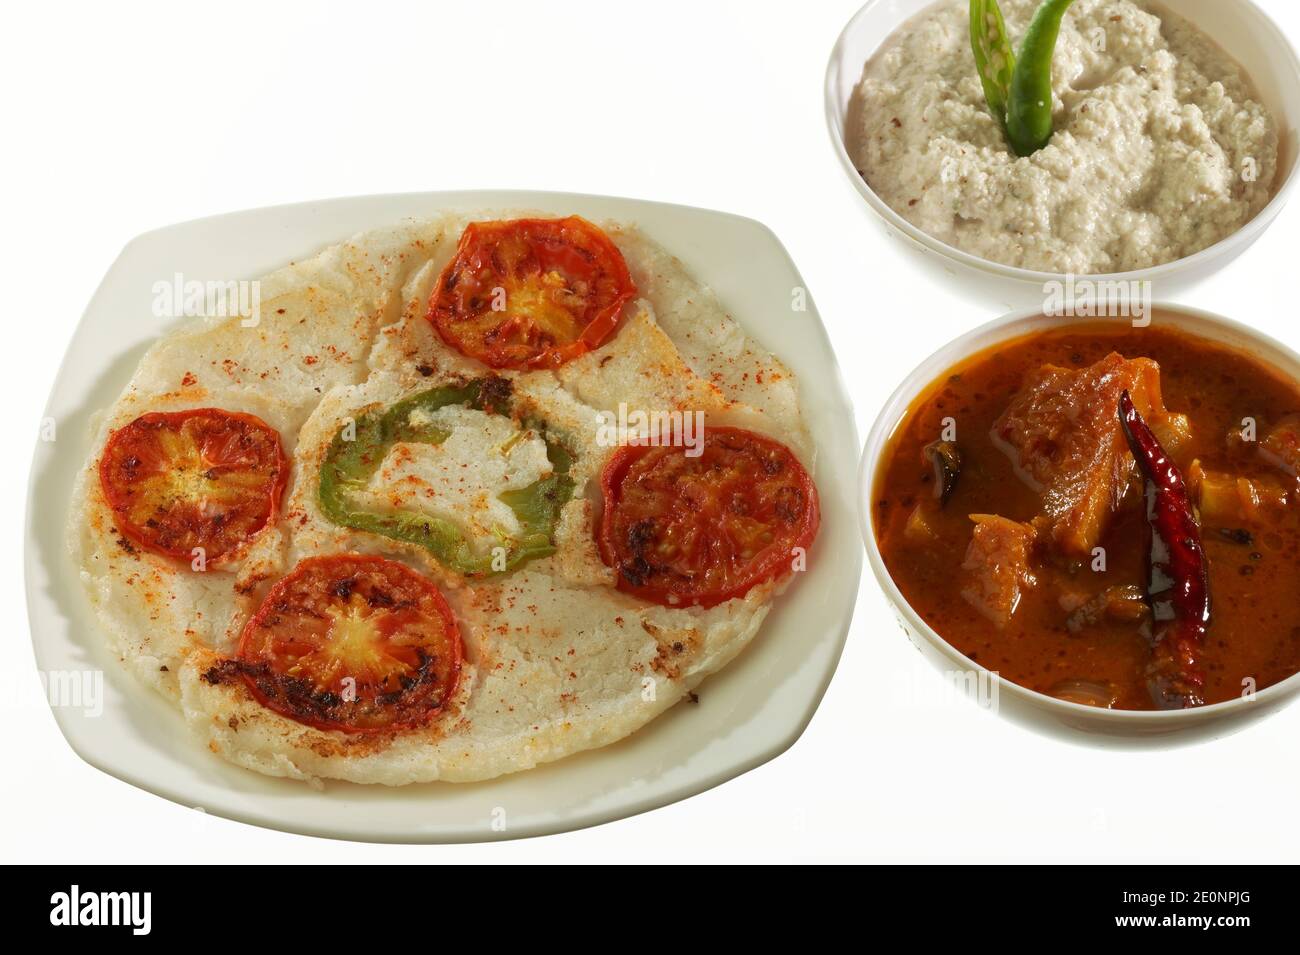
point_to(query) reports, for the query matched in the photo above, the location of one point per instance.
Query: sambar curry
(1105, 514)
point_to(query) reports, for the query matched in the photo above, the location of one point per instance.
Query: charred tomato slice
(530, 293)
(355, 643)
(203, 478)
(682, 530)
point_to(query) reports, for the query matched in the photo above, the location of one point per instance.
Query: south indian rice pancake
(472, 494)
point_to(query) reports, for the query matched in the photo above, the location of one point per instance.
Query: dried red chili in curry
(1178, 576)
(1036, 564)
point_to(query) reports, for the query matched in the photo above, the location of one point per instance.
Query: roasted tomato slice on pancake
(182, 480)
(353, 643)
(530, 293)
(683, 530)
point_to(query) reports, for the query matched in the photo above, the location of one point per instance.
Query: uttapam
(472, 494)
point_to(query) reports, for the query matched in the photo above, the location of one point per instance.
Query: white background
(121, 118)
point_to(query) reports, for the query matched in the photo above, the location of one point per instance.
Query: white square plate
(749, 713)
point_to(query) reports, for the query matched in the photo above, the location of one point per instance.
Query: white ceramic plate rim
(975, 341)
(1206, 257)
(837, 569)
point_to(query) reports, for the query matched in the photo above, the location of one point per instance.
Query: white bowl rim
(980, 339)
(1243, 237)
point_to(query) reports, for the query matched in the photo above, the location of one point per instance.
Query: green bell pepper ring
(349, 465)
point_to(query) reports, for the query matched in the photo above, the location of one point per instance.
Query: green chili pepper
(993, 55)
(349, 465)
(1018, 88)
(1029, 108)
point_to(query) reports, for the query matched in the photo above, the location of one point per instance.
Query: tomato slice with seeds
(204, 478)
(682, 530)
(530, 293)
(354, 643)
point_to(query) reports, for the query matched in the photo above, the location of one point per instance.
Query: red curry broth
(1254, 560)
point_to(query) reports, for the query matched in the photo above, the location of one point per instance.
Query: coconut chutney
(1161, 147)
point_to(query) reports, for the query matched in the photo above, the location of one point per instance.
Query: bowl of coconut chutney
(1166, 158)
